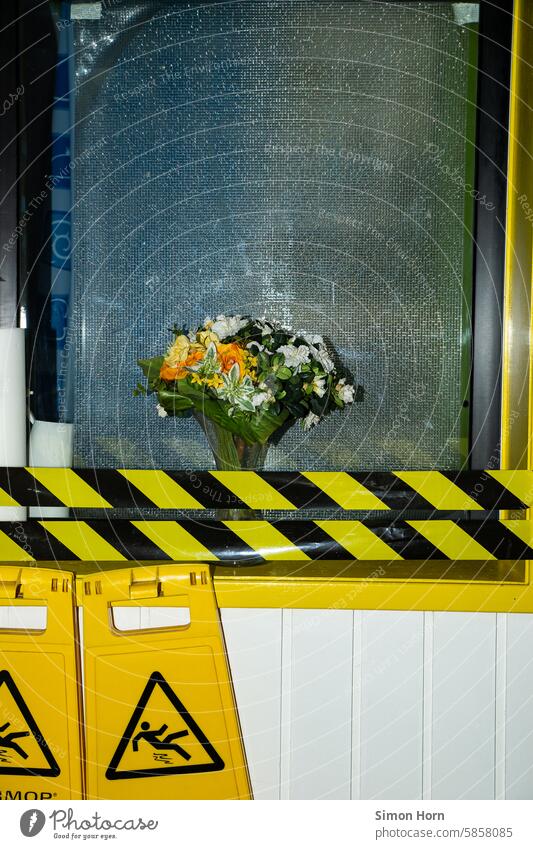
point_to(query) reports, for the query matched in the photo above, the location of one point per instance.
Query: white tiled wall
(340, 704)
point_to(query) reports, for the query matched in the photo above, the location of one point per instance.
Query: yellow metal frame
(457, 587)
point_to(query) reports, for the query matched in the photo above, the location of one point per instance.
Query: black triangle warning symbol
(23, 749)
(162, 738)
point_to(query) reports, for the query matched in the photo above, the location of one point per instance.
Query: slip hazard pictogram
(162, 738)
(23, 749)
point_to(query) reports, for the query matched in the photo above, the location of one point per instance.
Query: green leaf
(318, 405)
(297, 410)
(151, 369)
(257, 427)
(173, 402)
(244, 404)
(262, 361)
(284, 373)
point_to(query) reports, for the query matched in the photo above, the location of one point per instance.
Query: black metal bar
(38, 57)
(10, 93)
(495, 42)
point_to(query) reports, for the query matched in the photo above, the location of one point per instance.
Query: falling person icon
(6, 740)
(152, 736)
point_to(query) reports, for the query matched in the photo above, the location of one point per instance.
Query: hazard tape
(188, 490)
(258, 541)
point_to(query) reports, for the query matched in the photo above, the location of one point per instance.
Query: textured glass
(300, 160)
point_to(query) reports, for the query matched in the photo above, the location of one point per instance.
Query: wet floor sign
(160, 714)
(152, 747)
(23, 748)
(40, 750)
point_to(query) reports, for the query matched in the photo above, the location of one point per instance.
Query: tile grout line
(357, 672)
(500, 685)
(285, 704)
(427, 722)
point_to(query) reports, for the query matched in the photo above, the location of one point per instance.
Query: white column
(13, 444)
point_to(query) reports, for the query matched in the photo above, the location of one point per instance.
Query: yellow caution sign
(23, 748)
(149, 745)
(160, 715)
(40, 732)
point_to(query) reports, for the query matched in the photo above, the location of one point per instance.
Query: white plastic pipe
(13, 444)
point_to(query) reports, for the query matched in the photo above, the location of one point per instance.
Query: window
(337, 165)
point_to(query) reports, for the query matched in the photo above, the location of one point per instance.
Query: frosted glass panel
(300, 160)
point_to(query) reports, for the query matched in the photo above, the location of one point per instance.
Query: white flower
(310, 421)
(161, 411)
(266, 329)
(261, 398)
(319, 386)
(312, 338)
(345, 391)
(324, 359)
(295, 356)
(228, 325)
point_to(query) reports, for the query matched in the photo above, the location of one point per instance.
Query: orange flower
(229, 355)
(180, 370)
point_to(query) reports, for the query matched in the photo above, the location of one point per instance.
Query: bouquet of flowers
(248, 378)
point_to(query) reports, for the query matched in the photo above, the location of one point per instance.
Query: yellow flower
(181, 369)
(195, 378)
(178, 351)
(205, 337)
(215, 382)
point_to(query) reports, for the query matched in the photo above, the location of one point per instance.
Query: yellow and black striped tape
(188, 490)
(258, 541)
